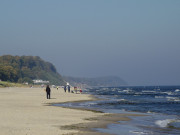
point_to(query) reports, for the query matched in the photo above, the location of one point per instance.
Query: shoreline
(101, 122)
(95, 122)
(27, 111)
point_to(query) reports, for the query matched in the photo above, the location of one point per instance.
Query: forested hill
(27, 68)
(108, 81)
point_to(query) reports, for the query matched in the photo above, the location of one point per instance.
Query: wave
(168, 93)
(142, 99)
(124, 101)
(176, 99)
(164, 123)
(159, 97)
(139, 132)
(177, 90)
(170, 123)
(149, 91)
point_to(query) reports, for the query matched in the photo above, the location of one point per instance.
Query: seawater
(160, 104)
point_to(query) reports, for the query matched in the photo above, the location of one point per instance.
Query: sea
(159, 105)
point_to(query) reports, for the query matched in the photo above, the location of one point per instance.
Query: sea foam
(164, 123)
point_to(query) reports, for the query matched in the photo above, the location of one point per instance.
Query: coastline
(27, 111)
(101, 122)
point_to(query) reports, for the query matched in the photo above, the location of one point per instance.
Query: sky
(136, 40)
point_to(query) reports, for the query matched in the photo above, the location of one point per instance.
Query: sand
(26, 111)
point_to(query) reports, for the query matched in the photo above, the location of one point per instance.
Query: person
(75, 90)
(80, 91)
(68, 88)
(48, 92)
(64, 88)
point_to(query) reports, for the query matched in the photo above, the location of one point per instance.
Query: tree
(8, 73)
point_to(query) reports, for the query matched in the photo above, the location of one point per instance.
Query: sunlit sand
(26, 111)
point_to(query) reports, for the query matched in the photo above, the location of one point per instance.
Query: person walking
(69, 88)
(64, 88)
(48, 92)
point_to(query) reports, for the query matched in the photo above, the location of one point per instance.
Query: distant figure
(68, 88)
(57, 87)
(64, 88)
(75, 90)
(48, 92)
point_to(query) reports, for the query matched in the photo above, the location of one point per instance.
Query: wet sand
(26, 111)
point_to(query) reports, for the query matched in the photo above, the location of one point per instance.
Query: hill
(27, 68)
(108, 81)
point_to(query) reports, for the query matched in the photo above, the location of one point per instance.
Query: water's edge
(98, 125)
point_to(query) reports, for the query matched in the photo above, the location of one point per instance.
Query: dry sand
(25, 111)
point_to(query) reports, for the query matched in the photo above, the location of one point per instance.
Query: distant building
(40, 81)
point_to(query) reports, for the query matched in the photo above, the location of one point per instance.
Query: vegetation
(8, 84)
(23, 69)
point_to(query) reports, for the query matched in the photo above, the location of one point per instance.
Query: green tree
(8, 73)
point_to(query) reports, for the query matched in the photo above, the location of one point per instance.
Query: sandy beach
(26, 111)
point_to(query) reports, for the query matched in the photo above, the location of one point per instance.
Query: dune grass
(10, 84)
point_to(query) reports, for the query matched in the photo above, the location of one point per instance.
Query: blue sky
(137, 40)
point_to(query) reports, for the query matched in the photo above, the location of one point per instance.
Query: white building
(40, 81)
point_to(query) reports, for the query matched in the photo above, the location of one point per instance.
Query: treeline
(26, 68)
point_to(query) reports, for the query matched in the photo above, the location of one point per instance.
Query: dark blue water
(160, 103)
(162, 99)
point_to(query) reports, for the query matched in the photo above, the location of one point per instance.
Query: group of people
(48, 90)
(67, 87)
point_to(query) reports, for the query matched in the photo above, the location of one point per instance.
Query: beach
(26, 111)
